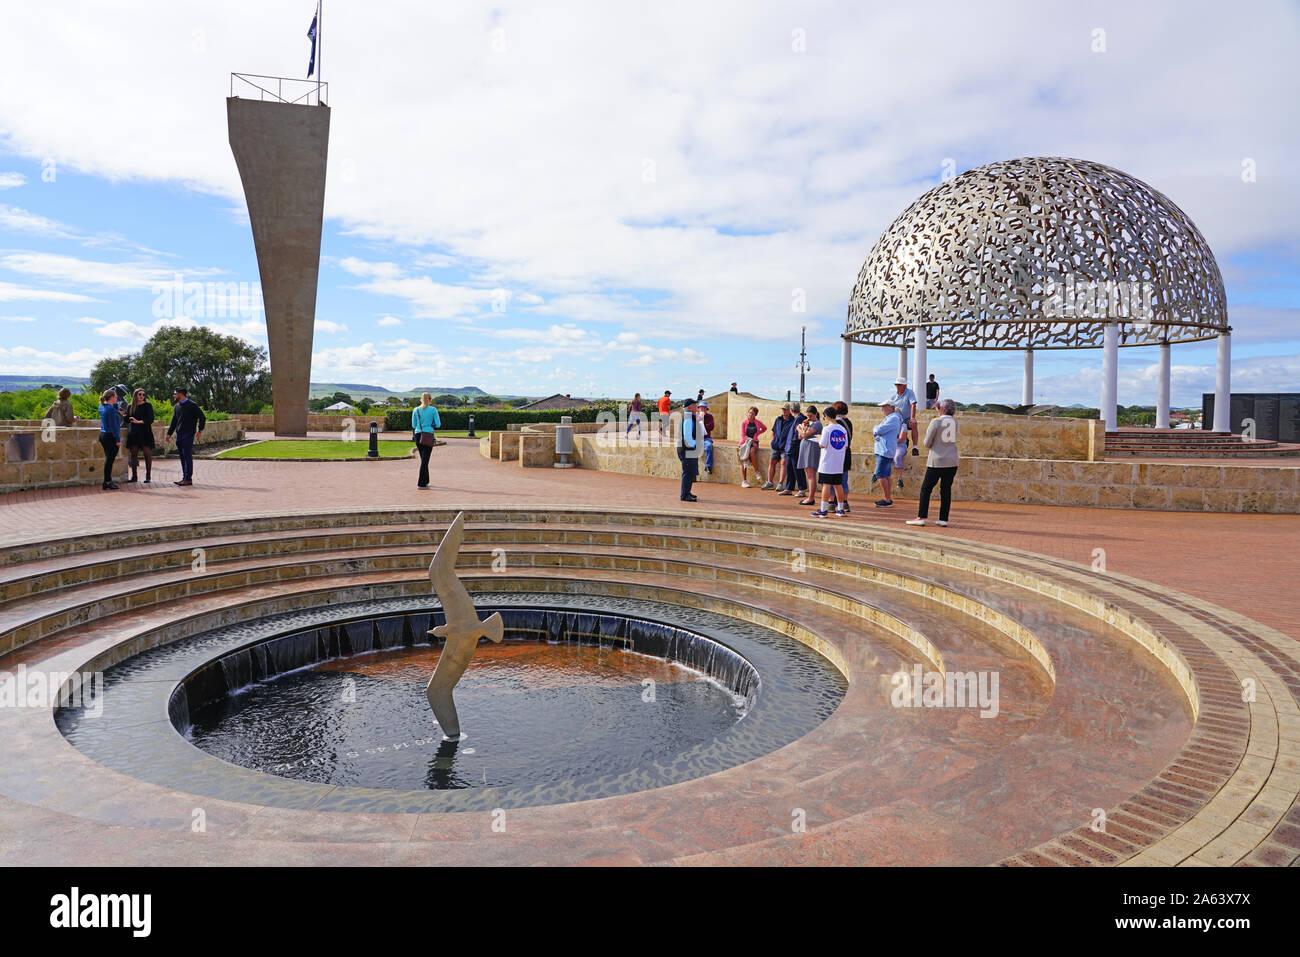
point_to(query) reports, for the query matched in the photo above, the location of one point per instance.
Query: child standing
(834, 441)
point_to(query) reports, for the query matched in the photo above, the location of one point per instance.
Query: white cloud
(92, 273)
(325, 325)
(251, 330)
(10, 292)
(744, 134)
(11, 180)
(434, 300)
(25, 360)
(390, 321)
(17, 318)
(91, 321)
(370, 270)
(20, 220)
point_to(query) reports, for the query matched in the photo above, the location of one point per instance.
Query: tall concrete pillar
(1027, 384)
(902, 362)
(1162, 389)
(918, 361)
(1110, 376)
(1223, 385)
(280, 149)
(846, 371)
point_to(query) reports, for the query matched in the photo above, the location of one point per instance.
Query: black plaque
(1243, 408)
(1288, 418)
(1266, 409)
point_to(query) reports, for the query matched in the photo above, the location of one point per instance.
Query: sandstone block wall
(980, 433)
(1207, 488)
(36, 457)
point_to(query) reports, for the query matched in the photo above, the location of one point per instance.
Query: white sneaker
(942, 524)
(744, 485)
(919, 521)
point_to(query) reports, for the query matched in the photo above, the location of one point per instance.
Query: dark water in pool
(532, 713)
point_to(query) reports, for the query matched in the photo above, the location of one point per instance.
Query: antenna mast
(803, 365)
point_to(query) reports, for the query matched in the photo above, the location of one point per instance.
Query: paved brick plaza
(1106, 731)
(1243, 562)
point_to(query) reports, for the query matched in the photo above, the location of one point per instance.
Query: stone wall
(35, 457)
(986, 434)
(1208, 488)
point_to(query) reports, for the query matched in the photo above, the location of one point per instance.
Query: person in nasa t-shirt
(834, 442)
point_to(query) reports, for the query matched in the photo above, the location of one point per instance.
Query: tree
(446, 399)
(222, 373)
(109, 372)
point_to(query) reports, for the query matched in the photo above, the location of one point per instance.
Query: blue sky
(581, 198)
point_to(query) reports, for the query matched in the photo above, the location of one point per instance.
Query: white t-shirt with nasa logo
(834, 441)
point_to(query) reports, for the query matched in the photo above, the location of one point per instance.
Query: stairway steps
(827, 579)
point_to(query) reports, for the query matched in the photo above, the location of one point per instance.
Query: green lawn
(317, 449)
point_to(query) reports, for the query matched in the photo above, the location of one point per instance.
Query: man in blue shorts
(886, 435)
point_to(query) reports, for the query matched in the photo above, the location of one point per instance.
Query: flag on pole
(311, 35)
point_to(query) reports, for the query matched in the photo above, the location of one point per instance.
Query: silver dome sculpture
(1041, 253)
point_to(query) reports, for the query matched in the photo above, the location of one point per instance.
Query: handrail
(314, 94)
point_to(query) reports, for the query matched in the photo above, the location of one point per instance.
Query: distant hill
(358, 390)
(460, 391)
(362, 391)
(17, 383)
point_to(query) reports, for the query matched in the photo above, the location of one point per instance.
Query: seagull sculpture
(460, 634)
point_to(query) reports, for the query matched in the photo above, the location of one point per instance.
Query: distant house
(557, 401)
(340, 407)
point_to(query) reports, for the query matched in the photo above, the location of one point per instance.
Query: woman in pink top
(747, 448)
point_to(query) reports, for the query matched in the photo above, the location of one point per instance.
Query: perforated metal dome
(1042, 253)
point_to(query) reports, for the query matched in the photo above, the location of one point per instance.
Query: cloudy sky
(601, 197)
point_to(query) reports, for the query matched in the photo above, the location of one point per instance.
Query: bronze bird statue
(461, 632)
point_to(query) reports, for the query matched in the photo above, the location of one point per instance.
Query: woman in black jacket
(139, 436)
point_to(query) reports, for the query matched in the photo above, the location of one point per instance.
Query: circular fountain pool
(584, 698)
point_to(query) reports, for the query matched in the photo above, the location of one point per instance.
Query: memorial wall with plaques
(1276, 415)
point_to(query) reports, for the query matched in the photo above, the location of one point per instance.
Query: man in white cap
(905, 405)
(886, 441)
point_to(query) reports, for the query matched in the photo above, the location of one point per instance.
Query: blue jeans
(185, 449)
(708, 453)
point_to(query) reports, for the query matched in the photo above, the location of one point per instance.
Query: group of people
(136, 420)
(810, 448)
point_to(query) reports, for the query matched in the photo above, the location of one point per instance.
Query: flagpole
(320, 45)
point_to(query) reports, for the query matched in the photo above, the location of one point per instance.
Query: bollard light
(373, 452)
(470, 433)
